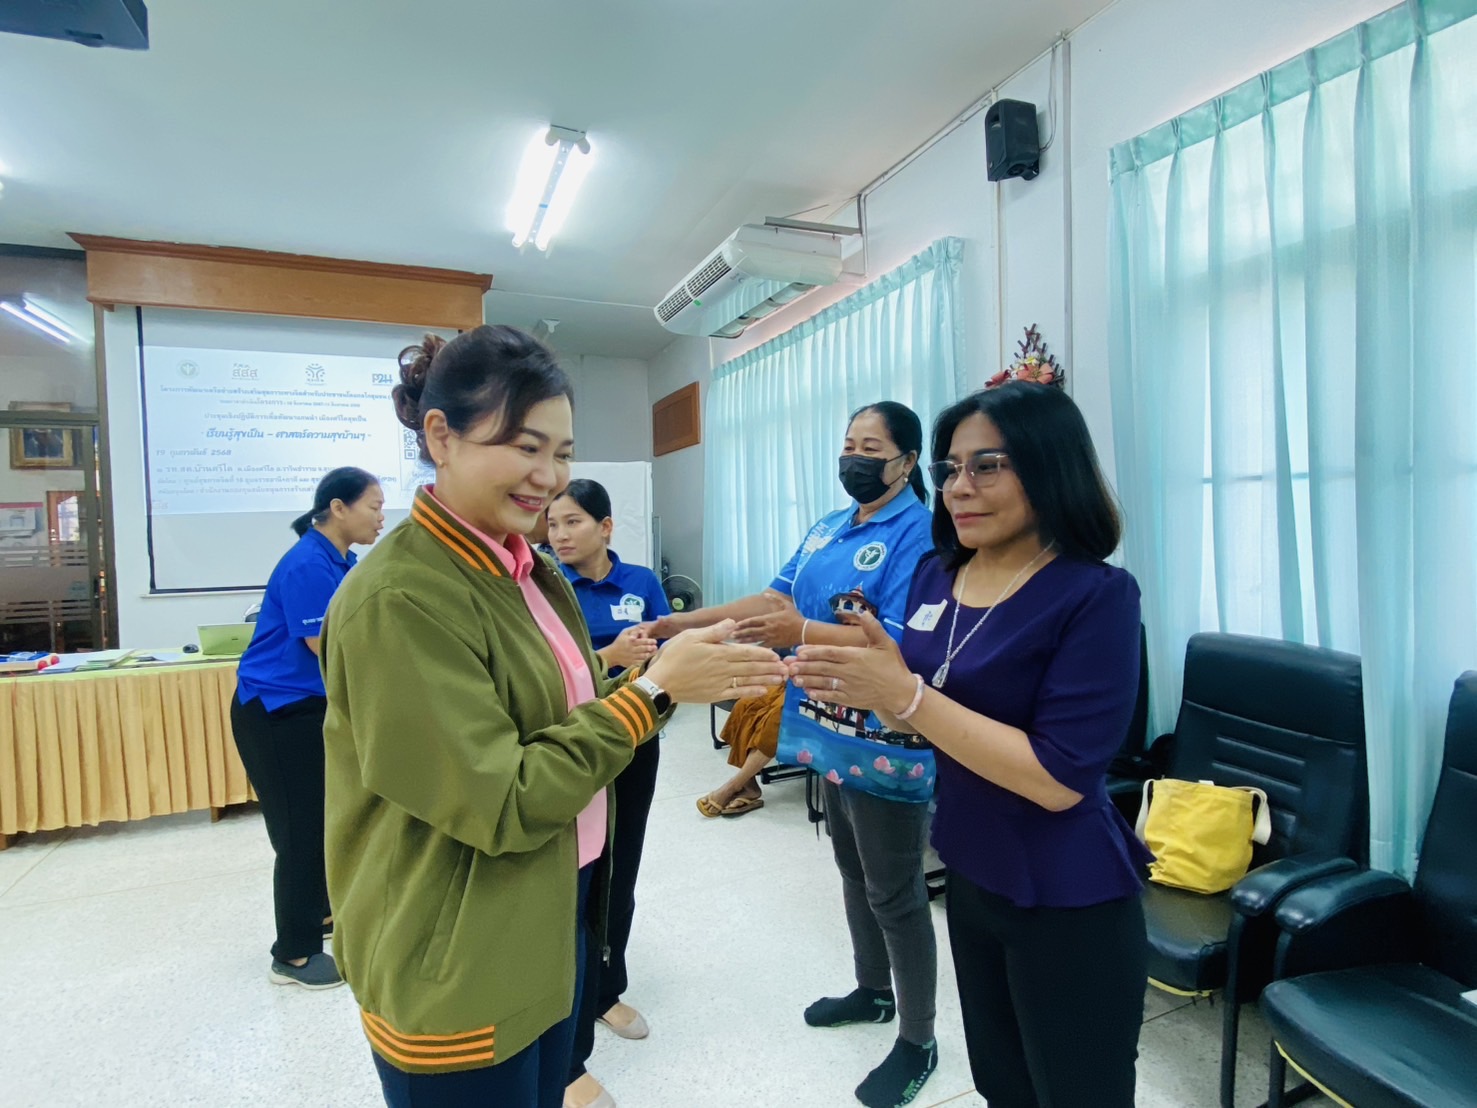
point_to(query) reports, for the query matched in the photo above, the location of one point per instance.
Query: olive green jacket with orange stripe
(455, 772)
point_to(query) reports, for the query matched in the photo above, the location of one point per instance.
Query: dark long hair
(591, 496)
(347, 483)
(483, 372)
(906, 429)
(1051, 452)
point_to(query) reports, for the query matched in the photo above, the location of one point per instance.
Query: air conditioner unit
(756, 271)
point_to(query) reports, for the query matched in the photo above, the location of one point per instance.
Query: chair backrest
(1288, 719)
(1446, 880)
(1136, 740)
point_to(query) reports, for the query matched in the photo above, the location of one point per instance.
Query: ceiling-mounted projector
(757, 270)
(120, 23)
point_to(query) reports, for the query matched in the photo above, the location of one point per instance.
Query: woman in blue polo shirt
(877, 784)
(277, 715)
(619, 601)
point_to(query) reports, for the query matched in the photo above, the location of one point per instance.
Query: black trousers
(283, 755)
(606, 982)
(1052, 998)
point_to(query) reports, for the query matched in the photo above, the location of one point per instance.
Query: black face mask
(861, 477)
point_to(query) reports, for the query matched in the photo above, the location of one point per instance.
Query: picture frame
(42, 447)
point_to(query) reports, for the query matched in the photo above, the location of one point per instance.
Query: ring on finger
(835, 683)
(733, 683)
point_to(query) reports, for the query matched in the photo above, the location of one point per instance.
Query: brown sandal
(708, 807)
(742, 805)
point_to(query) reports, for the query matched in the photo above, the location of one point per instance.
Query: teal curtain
(1294, 377)
(775, 417)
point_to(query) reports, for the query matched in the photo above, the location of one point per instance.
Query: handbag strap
(1138, 827)
(1261, 830)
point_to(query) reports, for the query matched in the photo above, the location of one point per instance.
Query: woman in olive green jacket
(470, 738)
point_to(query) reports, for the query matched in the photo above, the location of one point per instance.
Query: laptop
(225, 640)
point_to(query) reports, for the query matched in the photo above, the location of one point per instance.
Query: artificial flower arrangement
(1032, 363)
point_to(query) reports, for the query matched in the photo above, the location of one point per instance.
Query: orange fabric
(428, 1050)
(754, 725)
(78, 750)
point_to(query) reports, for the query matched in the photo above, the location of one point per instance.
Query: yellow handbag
(1201, 833)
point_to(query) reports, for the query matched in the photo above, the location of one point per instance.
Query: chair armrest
(1263, 888)
(1348, 919)
(1339, 897)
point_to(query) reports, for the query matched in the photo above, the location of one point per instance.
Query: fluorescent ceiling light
(25, 317)
(31, 308)
(554, 166)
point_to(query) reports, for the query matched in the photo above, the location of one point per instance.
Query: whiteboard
(629, 485)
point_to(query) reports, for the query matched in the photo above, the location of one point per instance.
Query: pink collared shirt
(579, 684)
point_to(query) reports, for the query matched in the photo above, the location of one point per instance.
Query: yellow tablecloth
(79, 749)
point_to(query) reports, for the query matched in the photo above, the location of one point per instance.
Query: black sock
(900, 1077)
(859, 1006)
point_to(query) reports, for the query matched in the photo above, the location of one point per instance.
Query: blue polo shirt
(877, 559)
(278, 667)
(627, 596)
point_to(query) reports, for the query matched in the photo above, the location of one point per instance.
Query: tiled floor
(133, 965)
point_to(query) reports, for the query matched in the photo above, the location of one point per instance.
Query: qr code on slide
(410, 449)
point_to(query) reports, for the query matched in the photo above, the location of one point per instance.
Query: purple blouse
(1060, 661)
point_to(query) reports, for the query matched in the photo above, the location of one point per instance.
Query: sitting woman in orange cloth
(752, 734)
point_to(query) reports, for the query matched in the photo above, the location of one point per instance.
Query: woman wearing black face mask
(877, 790)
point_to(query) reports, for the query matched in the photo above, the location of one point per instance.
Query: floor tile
(157, 851)
(25, 853)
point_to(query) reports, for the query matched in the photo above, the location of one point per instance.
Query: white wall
(1135, 65)
(677, 478)
(612, 409)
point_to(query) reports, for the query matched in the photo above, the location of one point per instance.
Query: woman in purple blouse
(1020, 665)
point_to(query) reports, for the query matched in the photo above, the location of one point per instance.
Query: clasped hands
(872, 677)
(705, 666)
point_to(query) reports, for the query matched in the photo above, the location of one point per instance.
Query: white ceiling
(391, 132)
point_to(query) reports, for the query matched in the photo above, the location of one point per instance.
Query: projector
(120, 23)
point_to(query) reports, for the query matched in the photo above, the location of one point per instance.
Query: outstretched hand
(873, 677)
(700, 667)
(777, 628)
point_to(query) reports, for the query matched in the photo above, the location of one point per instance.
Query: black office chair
(1137, 761)
(1380, 1019)
(1288, 719)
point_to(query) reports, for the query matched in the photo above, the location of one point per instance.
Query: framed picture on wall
(42, 447)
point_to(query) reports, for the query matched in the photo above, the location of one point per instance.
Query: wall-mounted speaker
(1012, 140)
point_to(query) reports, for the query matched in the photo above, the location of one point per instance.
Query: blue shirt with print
(278, 667)
(626, 596)
(876, 559)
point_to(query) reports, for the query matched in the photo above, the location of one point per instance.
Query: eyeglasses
(983, 469)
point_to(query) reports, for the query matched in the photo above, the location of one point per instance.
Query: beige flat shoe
(626, 1022)
(588, 1093)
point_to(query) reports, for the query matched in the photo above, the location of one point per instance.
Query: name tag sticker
(927, 616)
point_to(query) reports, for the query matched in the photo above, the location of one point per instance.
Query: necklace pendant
(941, 676)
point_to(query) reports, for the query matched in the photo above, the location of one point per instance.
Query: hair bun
(415, 366)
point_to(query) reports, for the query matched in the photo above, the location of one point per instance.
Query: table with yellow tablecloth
(79, 749)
